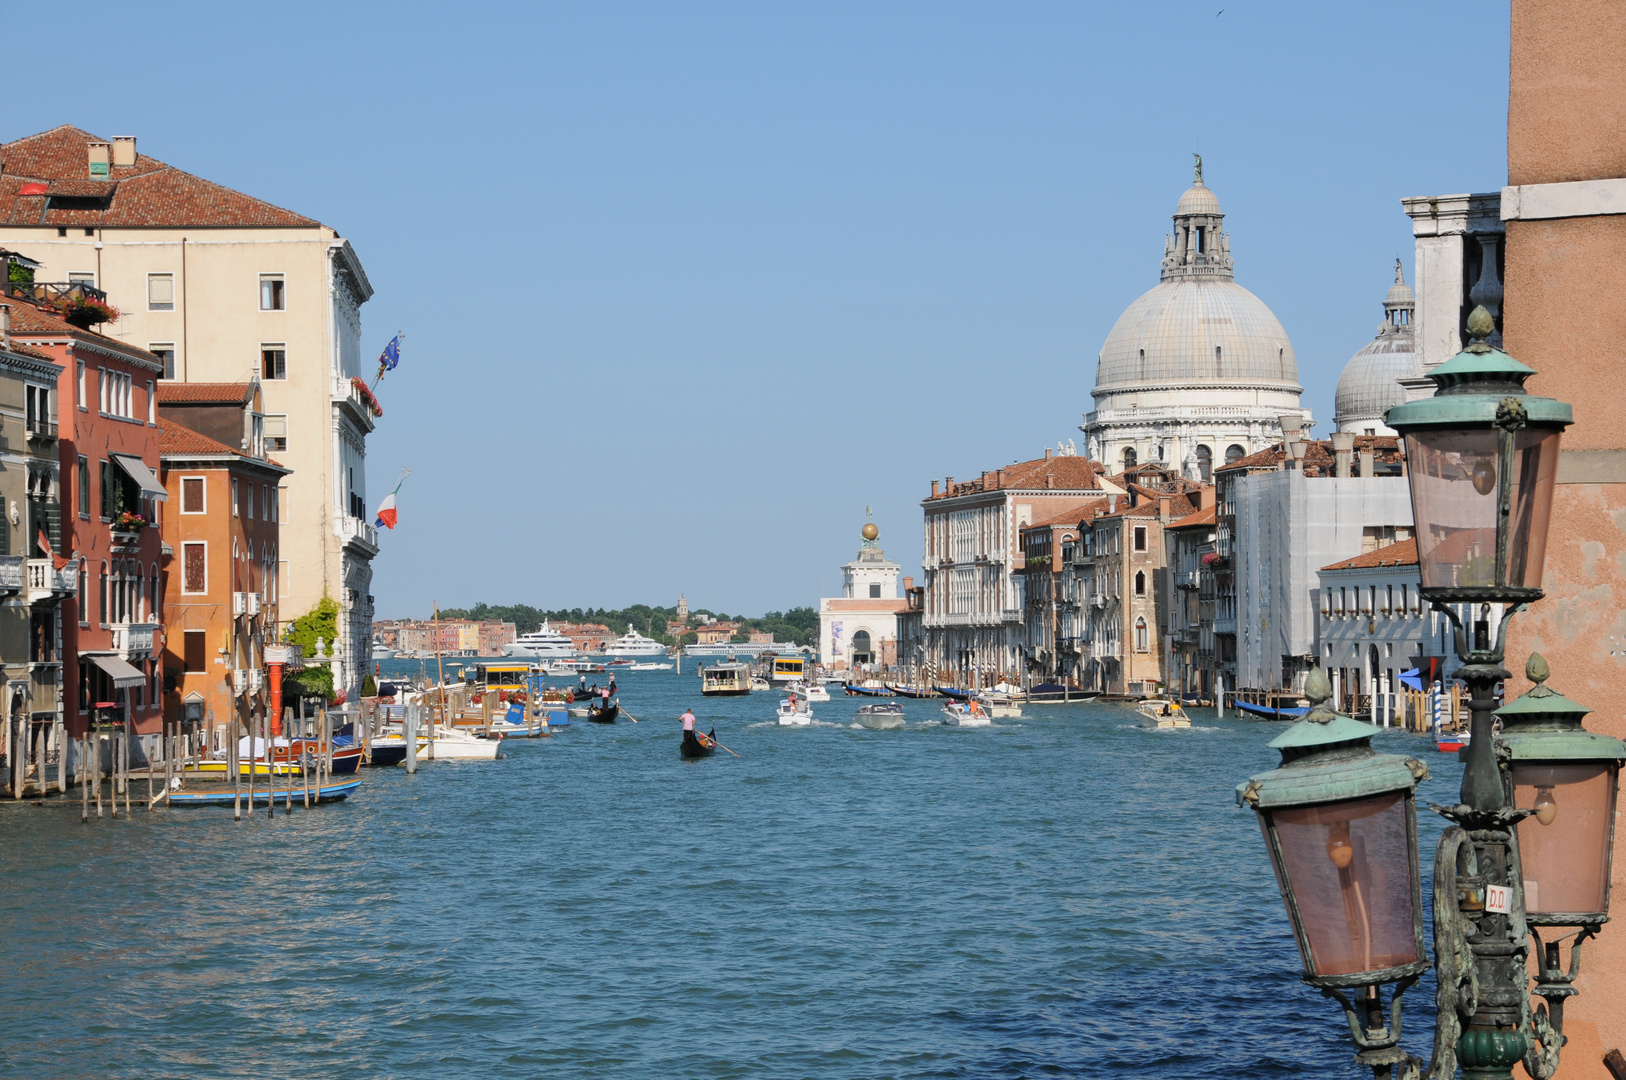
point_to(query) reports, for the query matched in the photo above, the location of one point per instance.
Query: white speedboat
(650, 667)
(451, 744)
(382, 651)
(759, 684)
(795, 712)
(633, 643)
(886, 716)
(1162, 713)
(965, 714)
(545, 643)
(810, 691)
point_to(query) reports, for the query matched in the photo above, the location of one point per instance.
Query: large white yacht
(633, 643)
(545, 642)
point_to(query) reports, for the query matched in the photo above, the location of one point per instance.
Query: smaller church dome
(1370, 384)
(1198, 199)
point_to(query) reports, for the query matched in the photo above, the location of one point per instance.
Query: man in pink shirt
(688, 720)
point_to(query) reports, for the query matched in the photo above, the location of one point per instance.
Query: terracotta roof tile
(1069, 517)
(1063, 474)
(176, 440)
(190, 392)
(148, 193)
(861, 604)
(1401, 553)
(28, 321)
(1206, 516)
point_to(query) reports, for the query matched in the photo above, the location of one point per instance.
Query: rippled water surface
(1062, 895)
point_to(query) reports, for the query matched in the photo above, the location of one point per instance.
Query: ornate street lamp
(1532, 835)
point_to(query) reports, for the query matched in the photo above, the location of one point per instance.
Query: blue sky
(686, 287)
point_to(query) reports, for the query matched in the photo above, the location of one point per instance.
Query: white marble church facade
(1197, 371)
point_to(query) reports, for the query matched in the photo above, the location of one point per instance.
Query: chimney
(1369, 461)
(124, 150)
(5, 327)
(1343, 452)
(1163, 507)
(934, 489)
(1049, 480)
(1047, 453)
(100, 160)
(948, 485)
(1112, 504)
(1205, 496)
(908, 584)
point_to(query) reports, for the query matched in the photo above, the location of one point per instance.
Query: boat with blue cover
(1270, 712)
(223, 794)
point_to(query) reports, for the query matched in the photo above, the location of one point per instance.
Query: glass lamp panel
(1535, 471)
(1565, 859)
(1454, 501)
(1349, 866)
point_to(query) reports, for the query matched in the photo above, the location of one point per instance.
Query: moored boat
(1270, 712)
(912, 691)
(854, 690)
(222, 792)
(696, 745)
(953, 692)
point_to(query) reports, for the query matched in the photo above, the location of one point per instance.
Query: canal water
(1064, 895)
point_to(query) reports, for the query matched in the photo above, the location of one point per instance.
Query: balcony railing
(46, 581)
(134, 641)
(355, 528)
(46, 291)
(40, 427)
(11, 574)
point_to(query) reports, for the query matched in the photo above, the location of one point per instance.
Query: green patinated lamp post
(1483, 460)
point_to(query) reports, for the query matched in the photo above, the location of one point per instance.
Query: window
(165, 351)
(253, 504)
(271, 298)
(192, 495)
(1205, 464)
(152, 405)
(276, 503)
(84, 593)
(101, 611)
(875, 591)
(1140, 538)
(110, 484)
(196, 654)
(156, 603)
(1234, 453)
(194, 568)
(1140, 582)
(1405, 597)
(81, 376)
(1130, 460)
(160, 292)
(235, 508)
(115, 393)
(1142, 638)
(276, 435)
(273, 362)
(82, 478)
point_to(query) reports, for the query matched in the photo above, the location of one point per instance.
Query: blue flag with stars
(391, 355)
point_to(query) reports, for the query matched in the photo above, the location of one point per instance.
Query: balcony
(1186, 579)
(47, 291)
(356, 402)
(46, 582)
(134, 641)
(359, 531)
(11, 574)
(40, 428)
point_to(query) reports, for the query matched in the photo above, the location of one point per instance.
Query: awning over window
(124, 675)
(137, 470)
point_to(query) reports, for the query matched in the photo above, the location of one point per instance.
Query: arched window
(1143, 363)
(1219, 362)
(1130, 459)
(101, 608)
(154, 605)
(84, 591)
(1142, 643)
(861, 647)
(1140, 583)
(1234, 453)
(1205, 464)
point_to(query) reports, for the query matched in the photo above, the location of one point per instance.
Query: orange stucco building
(1564, 314)
(221, 581)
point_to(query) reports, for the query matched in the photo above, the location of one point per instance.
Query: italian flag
(386, 509)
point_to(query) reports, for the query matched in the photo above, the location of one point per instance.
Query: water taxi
(499, 675)
(881, 717)
(965, 714)
(1162, 713)
(725, 680)
(795, 712)
(789, 669)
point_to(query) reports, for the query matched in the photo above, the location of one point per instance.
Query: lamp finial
(1480, 327)
(1537, 670)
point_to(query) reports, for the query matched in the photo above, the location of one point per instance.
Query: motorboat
(450, 744)
(881, 717)
(650, 667)
(633, 643)
(725, 680)
(1449, 742)
(810, 691)
(1162, 713)
(795, 712)
(1002, 708)
(545, 643)
(965, 714)
(381, 651)
(759, 683)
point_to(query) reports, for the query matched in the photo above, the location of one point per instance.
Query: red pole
(276, 698)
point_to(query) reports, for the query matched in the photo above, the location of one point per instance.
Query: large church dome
(1370, 384)
(1197, 370)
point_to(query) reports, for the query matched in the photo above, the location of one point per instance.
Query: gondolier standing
(688, 720)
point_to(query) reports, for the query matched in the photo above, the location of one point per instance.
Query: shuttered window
(160, 292)
(197, 659)
(192, 495)
(195, 558)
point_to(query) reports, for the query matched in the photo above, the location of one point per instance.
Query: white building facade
(1198, 371)
(859, 628)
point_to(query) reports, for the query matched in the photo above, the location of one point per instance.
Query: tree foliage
(798, 625)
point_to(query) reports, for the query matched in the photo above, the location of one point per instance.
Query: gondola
(867, 691)
(1270, 712)
(911, 691)
(695, 745)
(954, 693)
(603, 714)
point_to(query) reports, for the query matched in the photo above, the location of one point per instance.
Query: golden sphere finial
(870, 531)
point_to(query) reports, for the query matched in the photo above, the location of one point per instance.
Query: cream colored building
(224, 286)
